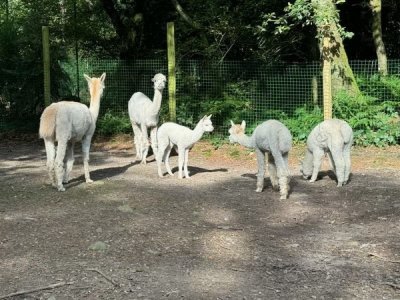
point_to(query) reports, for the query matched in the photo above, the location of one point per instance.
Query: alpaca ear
(103, 77)
(209, 117)
(87, 78)
(232, 124)
(243, 125)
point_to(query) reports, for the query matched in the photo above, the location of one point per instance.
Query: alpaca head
(236, 130)
(159, 81)
(96, 85)
(206, 124)
(307, 165)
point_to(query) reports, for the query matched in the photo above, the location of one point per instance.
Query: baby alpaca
(68, 122)
(171, 134)
(273, 138)
(334, 137)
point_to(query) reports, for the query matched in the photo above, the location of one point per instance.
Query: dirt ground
(132, 235)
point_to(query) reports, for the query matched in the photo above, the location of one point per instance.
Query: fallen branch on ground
(105, 276)
(383, 258)
(49, 287)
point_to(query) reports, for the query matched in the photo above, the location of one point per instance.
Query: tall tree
(324, 15)
(376, 8)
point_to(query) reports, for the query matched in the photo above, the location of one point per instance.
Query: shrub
(374, 122)
(112, 123)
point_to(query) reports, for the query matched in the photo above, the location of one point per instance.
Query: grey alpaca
(68, 122)
(144, 114)
(334, 137)
(273, 138)
(171, 134)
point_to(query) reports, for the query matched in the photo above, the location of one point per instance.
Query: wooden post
(327, 78)
(46, 65)
(171, 71)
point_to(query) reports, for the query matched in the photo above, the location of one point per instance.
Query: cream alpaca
(68, 122)
(144, 113)
(270, 137)
(171, 134)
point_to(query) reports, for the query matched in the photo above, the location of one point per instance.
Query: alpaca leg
(166, 160)
(261, 170)
(181, 159)
(145, 143)
(283, 184)
(285, 157)
(59, 165)
(318, 154)
(185, 164)
(50, 154)
(347, 162)
(272, 172)
(137, 139)
(339, 161)
(160, 155)
(69, 161)
(153, 138)
(85, 154)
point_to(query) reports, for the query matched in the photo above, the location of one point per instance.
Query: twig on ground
(105, 276)
(48, 287)
(396, 286)
(383, 258)
(229, 228)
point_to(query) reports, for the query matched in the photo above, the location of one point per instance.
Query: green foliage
(374, 122)
(303, 121)
(113, 123)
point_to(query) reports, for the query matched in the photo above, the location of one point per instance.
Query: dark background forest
(216, 31)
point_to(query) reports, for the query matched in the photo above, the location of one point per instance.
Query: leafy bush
(374, 122)
(303, 121)
(111, 123)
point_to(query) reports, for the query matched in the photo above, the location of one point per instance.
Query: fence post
(327, 78)
(171, 71)
(46, 65)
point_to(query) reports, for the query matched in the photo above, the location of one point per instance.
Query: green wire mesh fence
(237, 90)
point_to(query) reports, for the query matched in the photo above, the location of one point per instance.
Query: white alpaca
(270, 137)
(68, 122)
(171, 134)
(334, 137)
(145, 113)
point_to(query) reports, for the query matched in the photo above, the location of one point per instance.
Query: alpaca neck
(156, 101)
(197, 133)
(245, 140)
(94, 107)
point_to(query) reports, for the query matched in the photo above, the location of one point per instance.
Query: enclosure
(131, 235)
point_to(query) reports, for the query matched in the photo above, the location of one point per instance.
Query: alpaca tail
(48, 122)
(347, 133)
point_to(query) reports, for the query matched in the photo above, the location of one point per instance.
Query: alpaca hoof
(89, 181)
(283, 197)
(161, 175)
(258, 190)
(311, 180)
(61, 189)
(144, 162)
(180, 177)
(340, 184)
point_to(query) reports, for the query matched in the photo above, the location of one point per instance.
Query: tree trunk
(376, 7)
(342, 74)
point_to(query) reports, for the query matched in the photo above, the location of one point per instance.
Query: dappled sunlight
(202, 280)
(225, 245)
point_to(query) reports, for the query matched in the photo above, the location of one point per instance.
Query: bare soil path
(131, 235)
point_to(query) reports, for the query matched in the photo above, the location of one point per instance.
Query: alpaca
(171, 134)
(334, 137)
(68, 122)
(144, 114)
(270, 137)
